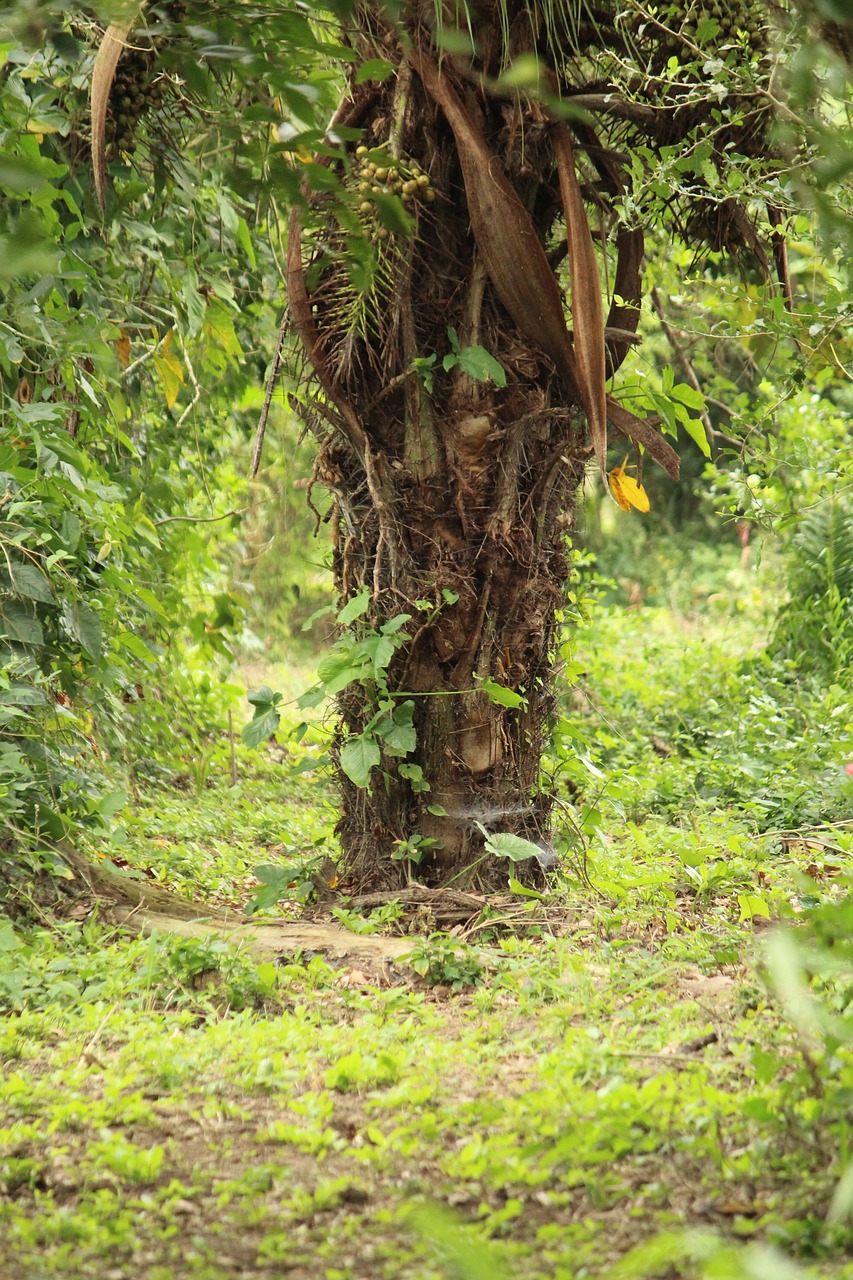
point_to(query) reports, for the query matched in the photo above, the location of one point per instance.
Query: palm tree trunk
(453, 495)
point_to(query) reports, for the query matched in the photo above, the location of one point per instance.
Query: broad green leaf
(267, 897)
(515, 886)
(310, 763)
(219, 327)
(395, 624)
(501, 696)
(330, 665)
(382, 650)
(85, 626)
(145, 594)
(19, 176)
(69, 530)
(453, 40)
(27, 580)
(245, 238)
(516, 848)
(263, 697)
(480, 364)
(358, 757)
(524, 72)
(112, 803)
(706, 30)
(170, 369)
(415, 775)
(22, 695)
(9, 940)
(258, 730)
(344, 678)
(752, 905)
(354, 608)
(696, 430)
(422, 366)
(272, 873)
(18, 624)
(311, 698)
(376, 69)
(397, 731)
(688, 395)
(134, 645)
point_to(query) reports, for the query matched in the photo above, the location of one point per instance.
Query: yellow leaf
(170, 369)
(219, 326)
(122, 346)
(626, 491)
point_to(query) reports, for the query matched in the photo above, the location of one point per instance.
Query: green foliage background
(134, 349)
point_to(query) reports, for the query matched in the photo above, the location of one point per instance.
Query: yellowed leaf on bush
(219, 326)
(626, 491)
(170, 369)
(122, 346)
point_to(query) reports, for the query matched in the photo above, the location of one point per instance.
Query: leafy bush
(814, 629)
(440, 959)
(665, 717)
(110, 595)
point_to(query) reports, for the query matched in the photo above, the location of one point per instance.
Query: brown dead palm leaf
(587, 307)
(643, 431)
(103, 73)
(506, 237)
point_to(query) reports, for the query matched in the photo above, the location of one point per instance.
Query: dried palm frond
(587, 309)
(506, 238)
(103, 73)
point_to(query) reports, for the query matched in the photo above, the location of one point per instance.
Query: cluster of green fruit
(379, 174)
(133, 94)
(675, 27)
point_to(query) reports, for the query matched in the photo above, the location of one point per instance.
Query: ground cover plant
(613, 1078)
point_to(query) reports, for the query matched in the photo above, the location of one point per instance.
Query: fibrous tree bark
(454, 496)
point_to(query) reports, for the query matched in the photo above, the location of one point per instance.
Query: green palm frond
(555, 25)
(815, 628)
(823, 552)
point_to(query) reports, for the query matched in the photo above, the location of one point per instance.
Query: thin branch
(146, 355)
(309, 423)
(196, 396)
(613, 105)
(389, 387)
(201, 519)
(839, 366)
(402, 90)
(268, 394)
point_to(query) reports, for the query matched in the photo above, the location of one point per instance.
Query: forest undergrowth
(631, 1074)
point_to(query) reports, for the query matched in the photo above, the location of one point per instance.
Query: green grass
(610, 1087)
(580, 1098)
(205, 845)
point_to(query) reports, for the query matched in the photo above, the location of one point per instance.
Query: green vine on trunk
(363, 656)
